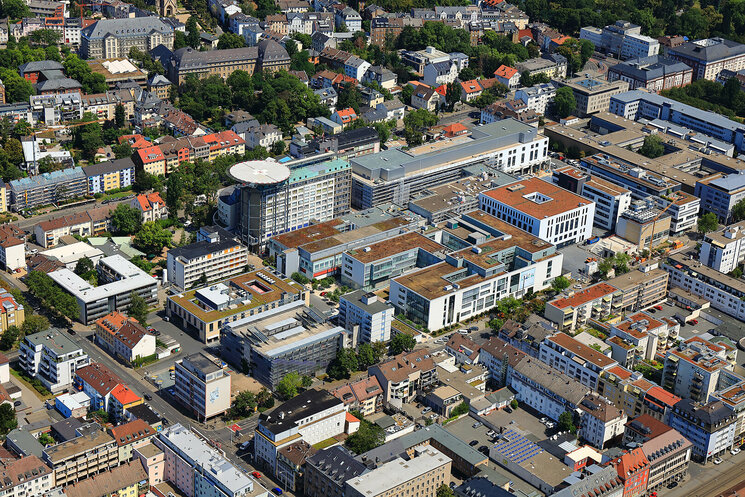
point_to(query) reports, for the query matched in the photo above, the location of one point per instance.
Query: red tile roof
(505, 72)
(132, 432)
(662, 395)
(99, 377)
(584, 296)
(150, 154)
(578, 348)
(124, 395)
(631, 463)
(471, 86)
(621, 372)
(149, 200)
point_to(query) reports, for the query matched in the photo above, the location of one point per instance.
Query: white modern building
(52, 358)
(724, 250)
(610, 199)
(312, 416)
(217, 254)
(683, 209)
(573, 358)
(203, 385)
(368, 314)
(600, 421)
(118, 279)
(622, 38)
(537, 97)
(542, 209)
(696, 368)
(199, 470)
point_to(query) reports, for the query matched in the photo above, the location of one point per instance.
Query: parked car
(148, 396)
(476, 424)
(658, 307)
(256, 474)
(426, 410)
(694, 321)
(735, 451)
(473, 443)
(717, 460)
(277, 491)
(484, 450)
(473, 328)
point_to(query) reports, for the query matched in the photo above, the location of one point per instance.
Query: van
(244, 445)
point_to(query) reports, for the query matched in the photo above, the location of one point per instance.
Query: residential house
(405, 375)
(151, 206)
(508, 76)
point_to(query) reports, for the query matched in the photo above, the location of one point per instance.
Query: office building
(425, 472)
(47, 188)
(723, 291)
(328, 470)
(289, 337)
(644, 225)
(654, 73)
(610, 199)
(366, 312)
(723, 250)
(374, 265)
(710, 427)
(270, 190)
(395, 175)
(622, 39)
(313, 416)
(640, 104)
(118, 279)
(111, 175)
(642, 183)
(719, 193)
(205, 310)
(222, 63)
(197, 469)
(216, 254)
(473, 280)
(683, 209)
(542, 209)
(203, 385)
(633, 471)
(709, 57)
(593, 95)
(52, 358)
(82, 457)
(113, 38)
(696, 368)
(601, 483)
(573, 358)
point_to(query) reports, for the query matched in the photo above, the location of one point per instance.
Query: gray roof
(591, 483)
(355, 298)
(270, 50)
(40, 65)
(710, 50)
(122, 28)
(306, 404)
(159, 80)
(109, 167)
(203, 248)
(442, 67)
(730, 182)
(53, 340)
(187, 58)
(58, 84)
(47, 179)
(25, 442)
(552, 379)
(650, 68)
(481, 486)
(338, 464)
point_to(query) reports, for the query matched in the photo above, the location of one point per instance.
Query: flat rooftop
(537, 198)
(394, 246)
(450, 195)
(78, 446)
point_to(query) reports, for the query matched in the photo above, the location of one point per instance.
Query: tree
(34, 324)
(738, 211)
(366, 438)
(230, 40)
(78, 69)
(192, 32)
(15, 9)
(201, 281)
(566, 422)
(119, 117)
(244, 405)
(88, 137)
(126, 220)
(144, 181)
(9, 337)
(288, 386)
(300, 278)
(445, 491)
(83, 266)
(452, 95)
(652, 147)
(46, 37)
(564, 101)
(51, 294)
(560, 283)
(138, 309)
(525, 79)
(8, 419)
(179, 40)
(17, 89)
(415, 123)
(152, 238)
(366, 356)
(278, 147)
(514, 404)
(344, 363)
(460, 409)
(122, 150)
(708, 222)
(402, 342)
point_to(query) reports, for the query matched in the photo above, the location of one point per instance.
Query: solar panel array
(516, 447)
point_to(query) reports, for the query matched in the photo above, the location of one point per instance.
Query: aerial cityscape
(410, 248)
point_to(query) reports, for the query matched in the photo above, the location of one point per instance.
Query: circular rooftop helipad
(260, 172)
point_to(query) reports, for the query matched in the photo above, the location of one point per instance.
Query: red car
(323, 294)
(693, 321)
(256, 474)
(658, 307)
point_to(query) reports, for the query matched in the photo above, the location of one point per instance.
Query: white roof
(68, 254)
(261, 172)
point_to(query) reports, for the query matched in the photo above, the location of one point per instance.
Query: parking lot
(522, 419)
(690, 329)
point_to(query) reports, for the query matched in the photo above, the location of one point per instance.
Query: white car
(717, 460)
(735, 451)
(543, 420)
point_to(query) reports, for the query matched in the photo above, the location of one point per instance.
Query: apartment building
(98, 382)
(669, 456)
(696, 368)
(118, 279)
(724, 250)
(130, 436)
(542, 209)
(538, 97)
(425, 472)
(710, 56)
(641, 335)
(633, 471)
(112, 38)
(124, 337)
(198, 469)
(110, 175)
(622, 38)
(724, 292)
(545, 389)
(366, 316)
(600, 421)
(203, 385)
(151, 206)
(90, 223)
(26, 477)
(709, 427)
(82, 457)
(275, 200)
(640, 289)
(572, 310)
(575, 359)
(214, 62)
(633, 394)
(205, 310)
(554, 66)
(52, 358)
(313, 416)
(388, 27)
(216, 254)
(327, 471)
(364, 395)
(610, 199)
(12, 247)
(719, 193)
(374, 265)
(473, 280)
(654, 73)
(405, 375)
(47, 188)
(499, 357)
(593, 95)
(126, 480)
